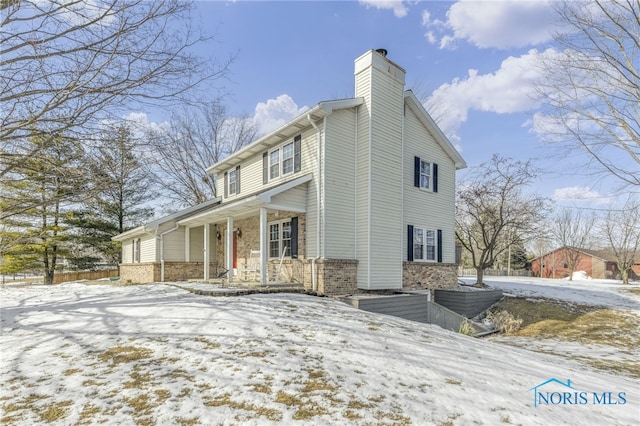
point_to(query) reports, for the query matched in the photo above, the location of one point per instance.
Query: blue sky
(475, 60)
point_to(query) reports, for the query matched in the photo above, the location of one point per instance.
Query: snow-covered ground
(161, 355)
(608, 293)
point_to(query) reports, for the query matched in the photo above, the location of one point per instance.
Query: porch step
(228, 290)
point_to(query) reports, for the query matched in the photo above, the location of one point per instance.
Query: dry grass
(253, 410)
(47, 411)
(208, 344)
(125, 354)
(604, 326)
(552, 319)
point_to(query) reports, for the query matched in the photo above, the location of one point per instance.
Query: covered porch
(258, 238)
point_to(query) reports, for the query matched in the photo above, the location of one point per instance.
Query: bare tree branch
(591, 88)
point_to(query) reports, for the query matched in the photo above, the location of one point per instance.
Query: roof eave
(288, 130)
(441, 138)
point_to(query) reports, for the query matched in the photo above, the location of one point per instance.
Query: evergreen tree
(121, 189)
(48, 184)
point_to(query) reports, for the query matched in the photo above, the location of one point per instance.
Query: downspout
(162, 250)
(314, 284)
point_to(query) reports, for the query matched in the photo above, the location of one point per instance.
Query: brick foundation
(150, 272)
(420, 276)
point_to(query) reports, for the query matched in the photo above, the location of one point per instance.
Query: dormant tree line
(73, 174)
(591, 107)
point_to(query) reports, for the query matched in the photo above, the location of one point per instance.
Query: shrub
(504, 321)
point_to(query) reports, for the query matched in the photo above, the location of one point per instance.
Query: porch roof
(153, 225)
(248, 206)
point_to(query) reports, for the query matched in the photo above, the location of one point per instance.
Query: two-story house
(355, 193)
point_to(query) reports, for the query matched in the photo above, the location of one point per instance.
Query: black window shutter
(410, 242)
(439, 243)
(297, 158)
(435, 177)
(237, 179)
(416, 172)
(294, 237)
(226, 184)
(265, 167)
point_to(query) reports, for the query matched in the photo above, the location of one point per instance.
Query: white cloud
(141, 125)
(399, 8)
(579, 193)
(426, 17)
(498, 24)
(276, 112)
(510, 89)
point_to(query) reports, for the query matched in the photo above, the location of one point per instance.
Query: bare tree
(494, 212)
(573, 230)
(67, 64)
(622, 230)
(592, 86)
(198, 137)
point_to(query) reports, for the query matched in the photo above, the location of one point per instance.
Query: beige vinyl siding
(251, 169)
(127, 251)
(309, 163)
(386, 184)
(362, 179)
(379, 180)
(196, 243)
(295, 197)
(339, 205)
(148, 248)
(423, 208)
(173, 243)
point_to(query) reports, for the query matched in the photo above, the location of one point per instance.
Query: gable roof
(287, 131)
(417, 107)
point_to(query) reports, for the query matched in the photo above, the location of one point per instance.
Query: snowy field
(157, 354)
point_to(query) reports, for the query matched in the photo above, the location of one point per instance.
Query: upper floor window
(233, 182)
(283, 160)
(425, 174)
(287, 158)
(274, 164)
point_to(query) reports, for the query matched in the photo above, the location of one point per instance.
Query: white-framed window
(136, 251)
(425, 174)
(424, 244)
(287, 158)
(283, 160)
(280, 238)
(274, 164)
(233, 182)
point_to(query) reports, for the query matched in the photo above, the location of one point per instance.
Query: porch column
(206, 251)
(263, 246)
(187, 248)
(229, 249)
